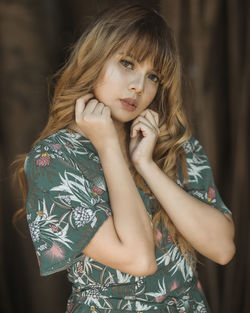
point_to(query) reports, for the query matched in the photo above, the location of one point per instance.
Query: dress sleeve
(201, 183)
(64, 207)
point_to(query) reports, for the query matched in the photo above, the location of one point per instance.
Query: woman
(116, 190)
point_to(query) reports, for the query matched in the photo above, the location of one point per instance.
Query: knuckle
(79, 99)
(93, 101)
(85, 117)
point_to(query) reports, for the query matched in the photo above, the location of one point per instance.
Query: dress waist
(133, 294)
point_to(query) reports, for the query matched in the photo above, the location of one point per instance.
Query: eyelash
(123, 62)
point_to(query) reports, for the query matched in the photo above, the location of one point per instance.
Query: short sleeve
(64, 207)
(200, 183)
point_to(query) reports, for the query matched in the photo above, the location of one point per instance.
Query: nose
(137, 82)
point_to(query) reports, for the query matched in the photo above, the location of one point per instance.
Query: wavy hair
(144, 34)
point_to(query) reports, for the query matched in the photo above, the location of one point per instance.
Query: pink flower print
(56, 146)
(79, 268)
(55, 252)
(70, 307)
(97, 191)
(181, 311)
(160, 299)
(69, 145)
(44, 160)
(211, 194)
(54, 228)
(158, 235)
(174, 286)
(108, 212)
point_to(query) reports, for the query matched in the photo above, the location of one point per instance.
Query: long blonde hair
(145, 34)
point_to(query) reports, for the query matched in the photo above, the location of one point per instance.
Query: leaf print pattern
(174, 258)
(201, 183)
(197, 162)
(160, 295)
(67, 203)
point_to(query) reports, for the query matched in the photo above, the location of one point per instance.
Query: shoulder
(63, 140)
(62, 157)
(201, 182)
(192, 145)
(63, 150)
(198, 166)
(64, 147)
(195, 153)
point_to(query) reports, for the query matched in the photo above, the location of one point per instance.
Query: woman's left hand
(144, 133)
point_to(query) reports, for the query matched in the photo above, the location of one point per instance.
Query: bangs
(146, 46)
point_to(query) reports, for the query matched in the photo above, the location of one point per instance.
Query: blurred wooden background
(213, 38)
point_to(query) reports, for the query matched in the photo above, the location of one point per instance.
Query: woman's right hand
(94, 119)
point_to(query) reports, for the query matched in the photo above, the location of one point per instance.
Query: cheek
(151, 92)
(112, 74)
(112, 77)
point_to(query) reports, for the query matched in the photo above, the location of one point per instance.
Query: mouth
(130, 101)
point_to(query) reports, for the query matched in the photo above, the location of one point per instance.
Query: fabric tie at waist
(116, 293)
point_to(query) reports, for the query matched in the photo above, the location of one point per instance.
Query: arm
(207, 229)
(125, 241)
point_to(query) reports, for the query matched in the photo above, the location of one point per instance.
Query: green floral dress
(68, 201)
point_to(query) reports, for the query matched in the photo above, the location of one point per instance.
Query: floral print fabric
(68, 201)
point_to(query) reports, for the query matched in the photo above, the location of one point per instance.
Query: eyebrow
(131, 56)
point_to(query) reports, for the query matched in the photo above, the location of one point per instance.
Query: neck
(120, 129)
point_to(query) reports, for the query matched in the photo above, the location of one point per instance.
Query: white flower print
(201, 307)
(187, 146)
(83, 216)
(72, 198)
(142, 307)
(45, 224)
(34, 230)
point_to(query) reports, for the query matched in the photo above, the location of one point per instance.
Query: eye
(127, 63)
(154, 78)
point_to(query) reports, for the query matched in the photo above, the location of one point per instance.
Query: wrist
(145, 167)
(112, 146)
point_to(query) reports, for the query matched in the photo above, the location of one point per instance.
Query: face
(122, 77)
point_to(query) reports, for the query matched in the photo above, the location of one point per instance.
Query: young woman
(116, 190)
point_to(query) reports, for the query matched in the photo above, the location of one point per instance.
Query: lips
(130, 101)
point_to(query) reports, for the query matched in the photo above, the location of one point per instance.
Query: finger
(90, 106)
(143, 120)
(106, 111)
(144, 128)
(156, 116)
(152, 116)
(81, 103)
(98, 108)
